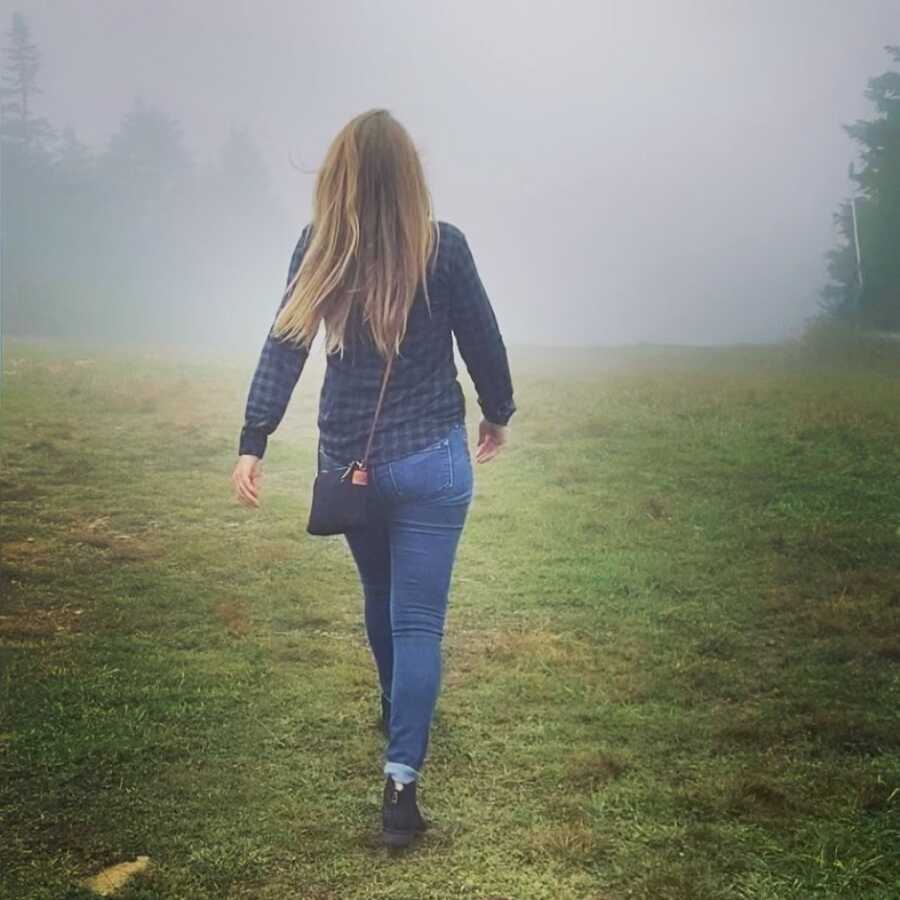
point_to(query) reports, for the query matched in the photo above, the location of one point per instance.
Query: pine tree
(19, 126)
(870, 294)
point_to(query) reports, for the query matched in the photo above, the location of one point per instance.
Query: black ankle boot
(400, 816)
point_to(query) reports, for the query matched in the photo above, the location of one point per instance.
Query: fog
(625, 171)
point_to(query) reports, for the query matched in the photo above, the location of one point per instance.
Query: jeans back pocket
(423, 474)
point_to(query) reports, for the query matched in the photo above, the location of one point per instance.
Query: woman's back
(423, 395)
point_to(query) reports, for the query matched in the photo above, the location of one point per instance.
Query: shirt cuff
(499, 415)
(252, 441)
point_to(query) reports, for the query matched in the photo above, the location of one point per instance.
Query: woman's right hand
(247, 478)
(491, 437)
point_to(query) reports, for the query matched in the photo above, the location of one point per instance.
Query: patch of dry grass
(116, 546)
(30, 623)
(233, 615)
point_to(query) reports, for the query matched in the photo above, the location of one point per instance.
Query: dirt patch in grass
(31, 624)
(116, 546)
(28, 554)
(233, 615)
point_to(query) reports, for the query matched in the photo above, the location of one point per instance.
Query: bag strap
(384, 381)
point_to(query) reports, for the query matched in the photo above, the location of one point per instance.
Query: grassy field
(672, 659)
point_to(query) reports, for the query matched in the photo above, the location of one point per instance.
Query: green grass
(672, 658)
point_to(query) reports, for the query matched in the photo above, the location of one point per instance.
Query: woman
(382, 276)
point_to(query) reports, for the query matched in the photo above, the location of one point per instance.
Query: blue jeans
(405, 554)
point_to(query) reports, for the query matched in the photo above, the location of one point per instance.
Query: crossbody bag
(340, 496)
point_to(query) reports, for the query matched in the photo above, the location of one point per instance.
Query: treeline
(864, 268)
(137, 240)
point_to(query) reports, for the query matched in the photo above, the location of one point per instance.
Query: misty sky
(625, 171)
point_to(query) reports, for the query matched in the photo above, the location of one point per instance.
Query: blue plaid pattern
(423, 397)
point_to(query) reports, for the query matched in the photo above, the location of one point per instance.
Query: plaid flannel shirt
(423, 397)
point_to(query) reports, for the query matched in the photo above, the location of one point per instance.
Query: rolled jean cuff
(401, 772)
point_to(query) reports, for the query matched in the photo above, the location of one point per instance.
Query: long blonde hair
(372, 237)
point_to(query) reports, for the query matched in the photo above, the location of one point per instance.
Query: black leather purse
(340, 496)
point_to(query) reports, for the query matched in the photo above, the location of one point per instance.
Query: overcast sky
(624, 171)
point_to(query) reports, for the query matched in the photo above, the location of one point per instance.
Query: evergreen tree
(870, 294)
(19, 126)
(146, 165)
(25, 160)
